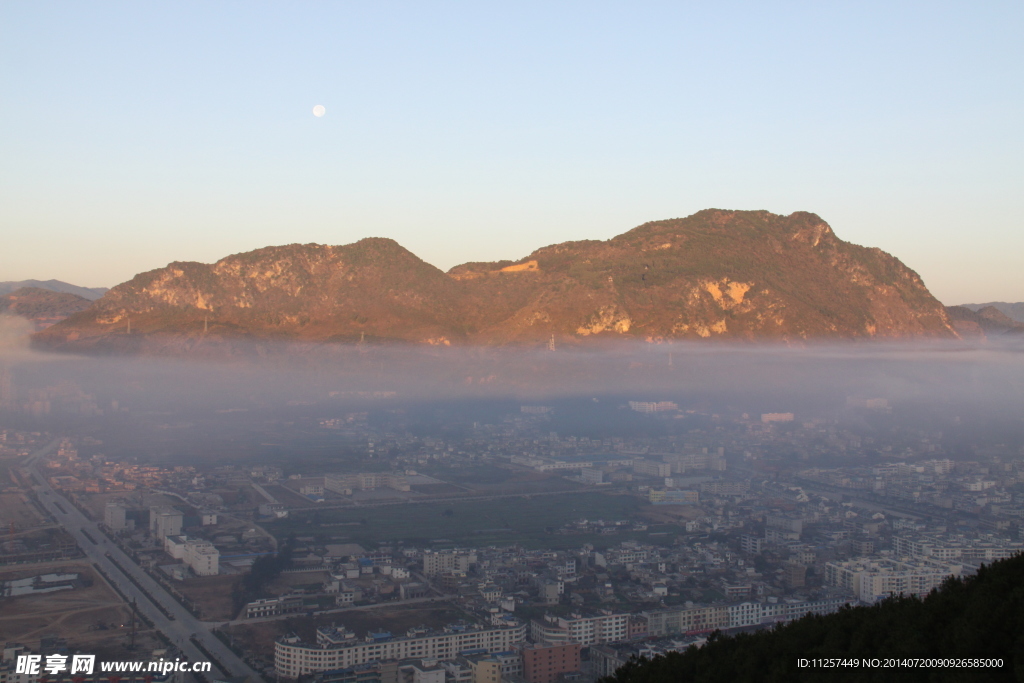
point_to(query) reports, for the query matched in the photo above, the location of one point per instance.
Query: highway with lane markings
(163, 611)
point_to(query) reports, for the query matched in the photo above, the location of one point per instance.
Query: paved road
(182, 626)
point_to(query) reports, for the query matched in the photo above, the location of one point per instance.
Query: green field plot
(528, 521)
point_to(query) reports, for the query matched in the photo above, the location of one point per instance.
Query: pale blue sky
(135, 134)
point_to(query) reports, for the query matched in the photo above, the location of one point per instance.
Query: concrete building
(652, 468)
(421, 672)
(545, 662)
(579, 628)
(115, 516)
(165, 521)
(201, 556)
(653, 406)
(872, 580)
(794, 574)
(752, 544)
(272, 607)
(438, 562)
(971, 551)
(488, 668)
(345, 484)
(694, 619)
(337, 649)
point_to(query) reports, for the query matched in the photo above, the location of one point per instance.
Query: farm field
(505, 521)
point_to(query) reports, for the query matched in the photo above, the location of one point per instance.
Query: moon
(319, 110)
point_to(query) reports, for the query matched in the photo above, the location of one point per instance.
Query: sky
(136, 134)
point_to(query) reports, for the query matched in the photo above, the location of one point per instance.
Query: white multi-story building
(436, 562)
(115, 516)
(365, 481)
(744, 614)
(577, 628)
(697, 618)
(336, 648)
(200, 555)
(653, 406)
(956, 549)
(203, 558)
(754, 613)
(652, 468)
(165, 521)
(872, 580)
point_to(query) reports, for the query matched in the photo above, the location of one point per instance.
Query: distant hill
(739, 275)
(985, 322)
(979, 617)
(90, 293)
(1014, 311)
(42, 306)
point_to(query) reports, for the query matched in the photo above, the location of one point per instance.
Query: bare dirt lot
(16, 508)
(89, 617)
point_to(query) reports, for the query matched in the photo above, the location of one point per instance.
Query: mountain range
(983, 321)
(1014, 311)
(90, 293)
(44, 307)
(733, 275)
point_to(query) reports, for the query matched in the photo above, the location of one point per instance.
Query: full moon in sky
(319, 110)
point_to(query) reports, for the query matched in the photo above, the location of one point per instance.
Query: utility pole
(131, 646)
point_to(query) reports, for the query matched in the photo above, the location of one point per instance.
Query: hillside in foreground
(731, 275)
(978, 617)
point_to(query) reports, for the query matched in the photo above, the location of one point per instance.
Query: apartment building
(545, 662)
(696, 618)
(579, 628)
(872, 580)
(337, 649)
(438, 562)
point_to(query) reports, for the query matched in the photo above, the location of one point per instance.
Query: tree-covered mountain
(979, 617)
(740, 275)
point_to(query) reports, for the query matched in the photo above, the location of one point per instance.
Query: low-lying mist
(756, 377)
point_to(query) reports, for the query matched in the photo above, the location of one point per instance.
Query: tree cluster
(264, 570)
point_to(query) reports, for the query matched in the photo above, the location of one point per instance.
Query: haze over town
(410, 343)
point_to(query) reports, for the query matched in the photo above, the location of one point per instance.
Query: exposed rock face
(714, 275)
